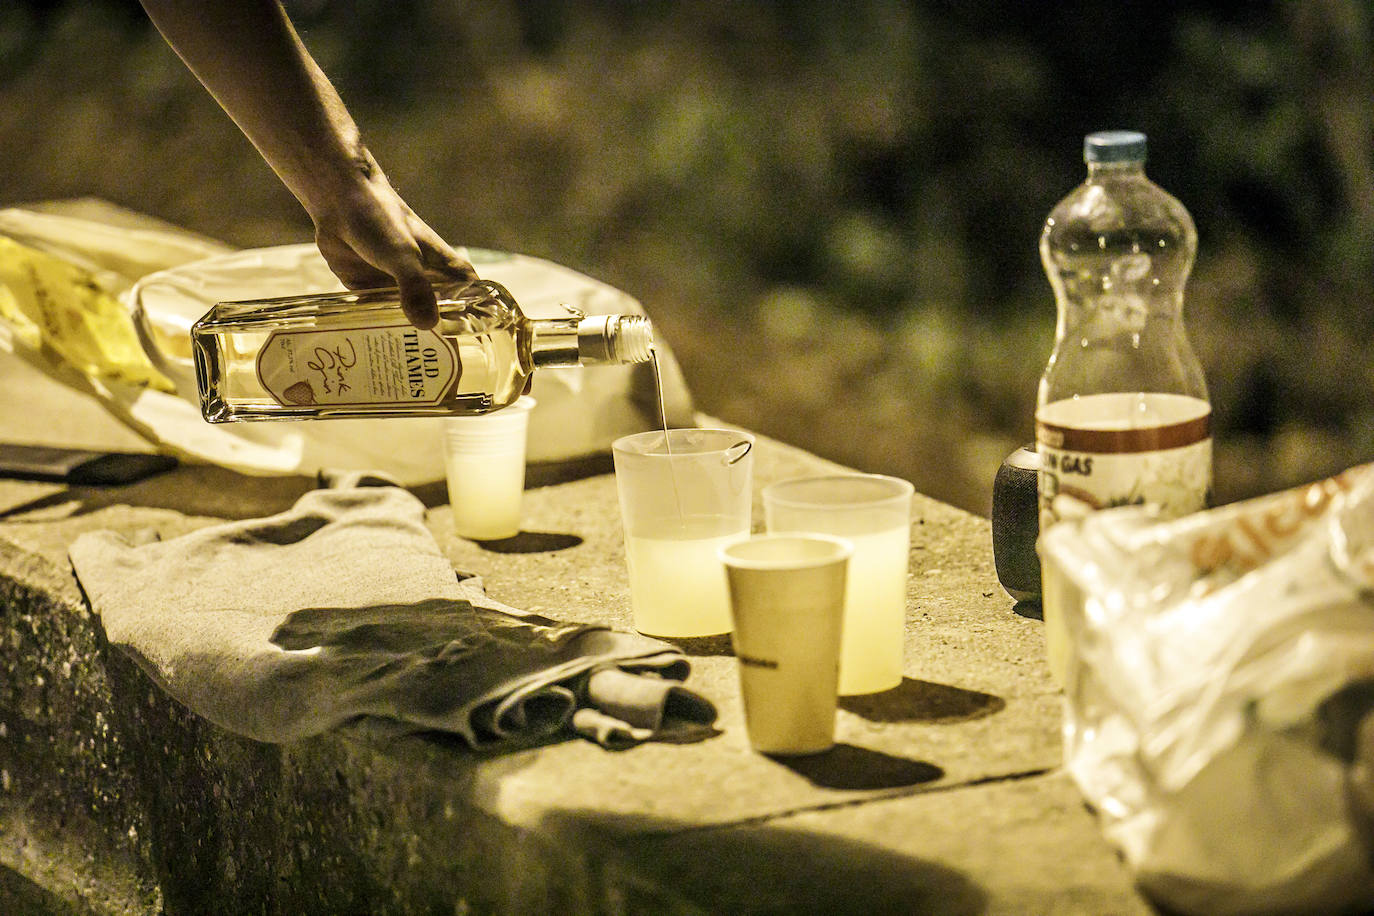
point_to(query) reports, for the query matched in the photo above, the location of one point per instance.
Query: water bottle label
(1121, 449)
(397, 364)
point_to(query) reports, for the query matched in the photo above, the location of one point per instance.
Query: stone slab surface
(942, 796)
(1016, 846)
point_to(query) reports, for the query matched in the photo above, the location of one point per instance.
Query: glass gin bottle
(1123, 415)
(355, 354)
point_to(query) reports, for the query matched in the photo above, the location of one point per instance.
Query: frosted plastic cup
(787, 602)
(873, 512)
(683, 495)
(484, 460)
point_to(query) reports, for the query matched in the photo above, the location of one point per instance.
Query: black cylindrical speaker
(1016, 524)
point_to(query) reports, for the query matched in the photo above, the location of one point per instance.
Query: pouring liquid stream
(663, 417)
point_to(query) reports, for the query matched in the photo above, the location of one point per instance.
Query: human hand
(371, 238)
(247, 53)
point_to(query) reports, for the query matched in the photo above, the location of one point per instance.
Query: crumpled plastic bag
(1219, 678)
(107, 269)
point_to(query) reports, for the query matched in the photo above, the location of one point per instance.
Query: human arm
(248, 55)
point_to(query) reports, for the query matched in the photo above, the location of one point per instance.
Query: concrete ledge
(944, 796)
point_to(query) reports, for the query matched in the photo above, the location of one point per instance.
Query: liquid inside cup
(873, 512)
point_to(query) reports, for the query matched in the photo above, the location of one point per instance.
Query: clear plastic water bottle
(1123, 415)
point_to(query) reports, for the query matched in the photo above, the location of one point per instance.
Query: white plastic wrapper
(1219, 678)
(167, 281)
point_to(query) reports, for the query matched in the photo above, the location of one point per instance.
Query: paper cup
(787, 604)
(484, 459)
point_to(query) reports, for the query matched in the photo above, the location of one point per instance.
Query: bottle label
(1122, 449)
(396, 364)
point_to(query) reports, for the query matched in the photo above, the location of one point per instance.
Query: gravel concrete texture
(942, 796)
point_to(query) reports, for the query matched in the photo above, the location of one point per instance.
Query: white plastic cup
(873, 512)
(682, 497)
(484, 459)
(787, 602)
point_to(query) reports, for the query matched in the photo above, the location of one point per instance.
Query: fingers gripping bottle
(1122, 416)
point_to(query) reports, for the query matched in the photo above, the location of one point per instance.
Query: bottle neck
(1105, 171)
(595, 340)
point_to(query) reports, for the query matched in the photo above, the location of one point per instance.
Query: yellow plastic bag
(51, 304)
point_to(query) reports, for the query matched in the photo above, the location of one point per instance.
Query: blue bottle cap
(1114, 146)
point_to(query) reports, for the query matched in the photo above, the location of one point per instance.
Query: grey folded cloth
(344, 607)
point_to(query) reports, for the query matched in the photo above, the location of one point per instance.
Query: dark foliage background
(831, 209)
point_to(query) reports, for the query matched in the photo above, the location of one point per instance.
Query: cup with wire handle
(684, 493)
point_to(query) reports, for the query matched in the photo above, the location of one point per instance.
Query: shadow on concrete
(19, 505)
(549, 473)
(703, 645)
(201, 490)
(658, 865)
(217, 492)
(847, 766)
(537, 474)
(1029, 608)
(923, 701)
(532, 542)
(432, 494)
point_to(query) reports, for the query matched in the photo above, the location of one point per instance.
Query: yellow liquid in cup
(677, 582)
(871, 644)
(485, 492)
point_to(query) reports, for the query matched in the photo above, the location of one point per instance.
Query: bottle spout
(615, 339)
